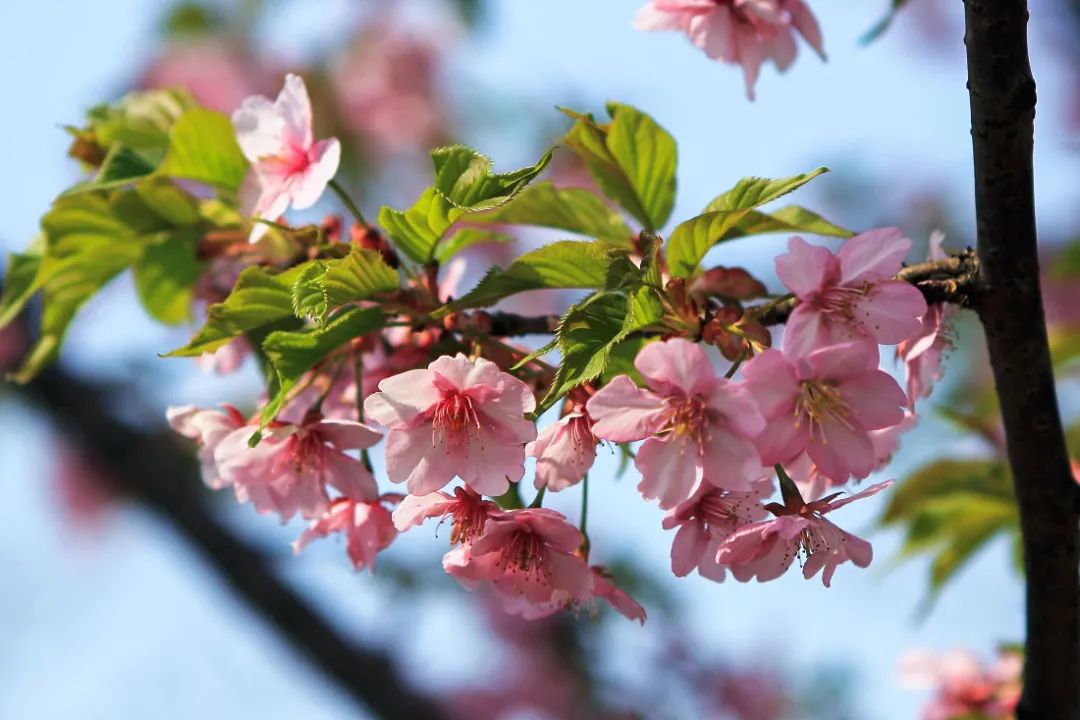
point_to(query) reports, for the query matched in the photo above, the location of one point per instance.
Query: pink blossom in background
(697, 427)
(564, 451)
(468, 512)
(963, 686)
(227, 359)
(386, 91)
(706, 520)
(765, 550)
(336, 397)
(528, 556)
(458, 417)
(207, 428)
(923, 352)
(851, 295)
(83, 491)
(740, 32)
(213, 70)
(366, 524)
(289, 471)
(825, 404)
(291, 168)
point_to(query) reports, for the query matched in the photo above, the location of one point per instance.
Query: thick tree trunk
(1010, 305)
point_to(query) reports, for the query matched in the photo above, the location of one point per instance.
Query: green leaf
(361, 275)
(789, 219)
(592, 330)
(203, 147)
(753, 192)
(417, 231)
(20, 284)
(632, 159)
(308, 293)
(575, 210)
(463, 176)
(691, 240)
(465, 238)
(169, 202)
(565, 264)
(258, 299)
(122, 165)
(140, 121)
(166, 274)
(943, 478)
(291, 354)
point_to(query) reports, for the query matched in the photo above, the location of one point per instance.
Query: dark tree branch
(1002, 94)
(150, 467)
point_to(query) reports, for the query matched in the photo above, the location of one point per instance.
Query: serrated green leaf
(308, 293)
(417, 231)
(591, 331)
(632, 159)
(203, 147)
(463, 176)
(789, 219)
(723, 216)
(565, 264)
(166, 274)
(361, 275)
(291, 354)
(258, 299)
(575, 210)
(465, 238)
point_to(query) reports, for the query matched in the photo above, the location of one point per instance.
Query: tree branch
(1003, 98)
(153, 469)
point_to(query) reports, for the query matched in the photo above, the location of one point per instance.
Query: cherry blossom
(528, 556)
(291, 168)
(289, 470)
(922, 353)
(564, 451)
(706, 520)
(468, 512)
(740, 32)
(367, 525)
(826, 403)
(766, 549)
(207, 428)
(459, 417)
(964, 686)
(697, 426)
(603, 588)
(852, 295)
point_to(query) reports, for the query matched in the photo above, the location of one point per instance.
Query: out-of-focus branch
(150, 467)
(1002, 92)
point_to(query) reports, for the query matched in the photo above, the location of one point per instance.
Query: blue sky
(127, 624)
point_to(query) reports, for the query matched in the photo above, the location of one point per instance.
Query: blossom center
(454, 418)
(840, 301)
(686, 416)
(469, 519)
(524, 553)
(292, 161)
(821, 402)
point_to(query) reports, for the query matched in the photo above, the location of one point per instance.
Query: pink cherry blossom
(603, 588)
(741, 32)
(289, 470)
(697, 426)
(367, 526)
(564, 451)
(826, 404)
(207, 428)
(459, 417)
(964, 687)
(227, 359)
(706, 520)
(216, 73)
(923, 352)
(527, 555)
(468, 512)
(765, 550)
(851, 295)
(291, 168)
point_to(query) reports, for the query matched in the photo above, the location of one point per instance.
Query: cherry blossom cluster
(964, 686)
(457, 416)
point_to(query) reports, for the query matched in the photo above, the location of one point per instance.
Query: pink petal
(803, 20)
(349, 476)
(876, 399)
(623, 412)
(325, 157)
(347, 434)
(670, 470)
(771, 380)
(687, 548)
(891, 311)
(402, 397)
(842, 452)
(259, 128)
(804, 268)
(738, 408)
(415, 509)
(675, 365)
(838, 362)
(872, 256)
(731, 462)
(782, 439)
(714, 32)
(294, 107)
(871, 490)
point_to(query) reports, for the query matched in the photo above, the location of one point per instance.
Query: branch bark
(152, 468)
(1002, 92)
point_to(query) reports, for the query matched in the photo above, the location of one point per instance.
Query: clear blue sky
(127, 625)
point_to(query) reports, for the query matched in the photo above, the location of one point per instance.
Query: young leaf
(291, 354)
(565, 264)
(308, 293)
(575, 210)
(692, 239)
(257, 299)
(793, 219)
(20, 283)
(361, 275)
(417, 231)
(631, 158)
(166, 274)
(203, 147)
(463, 176)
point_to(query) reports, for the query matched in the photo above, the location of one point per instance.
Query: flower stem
(348, 202)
